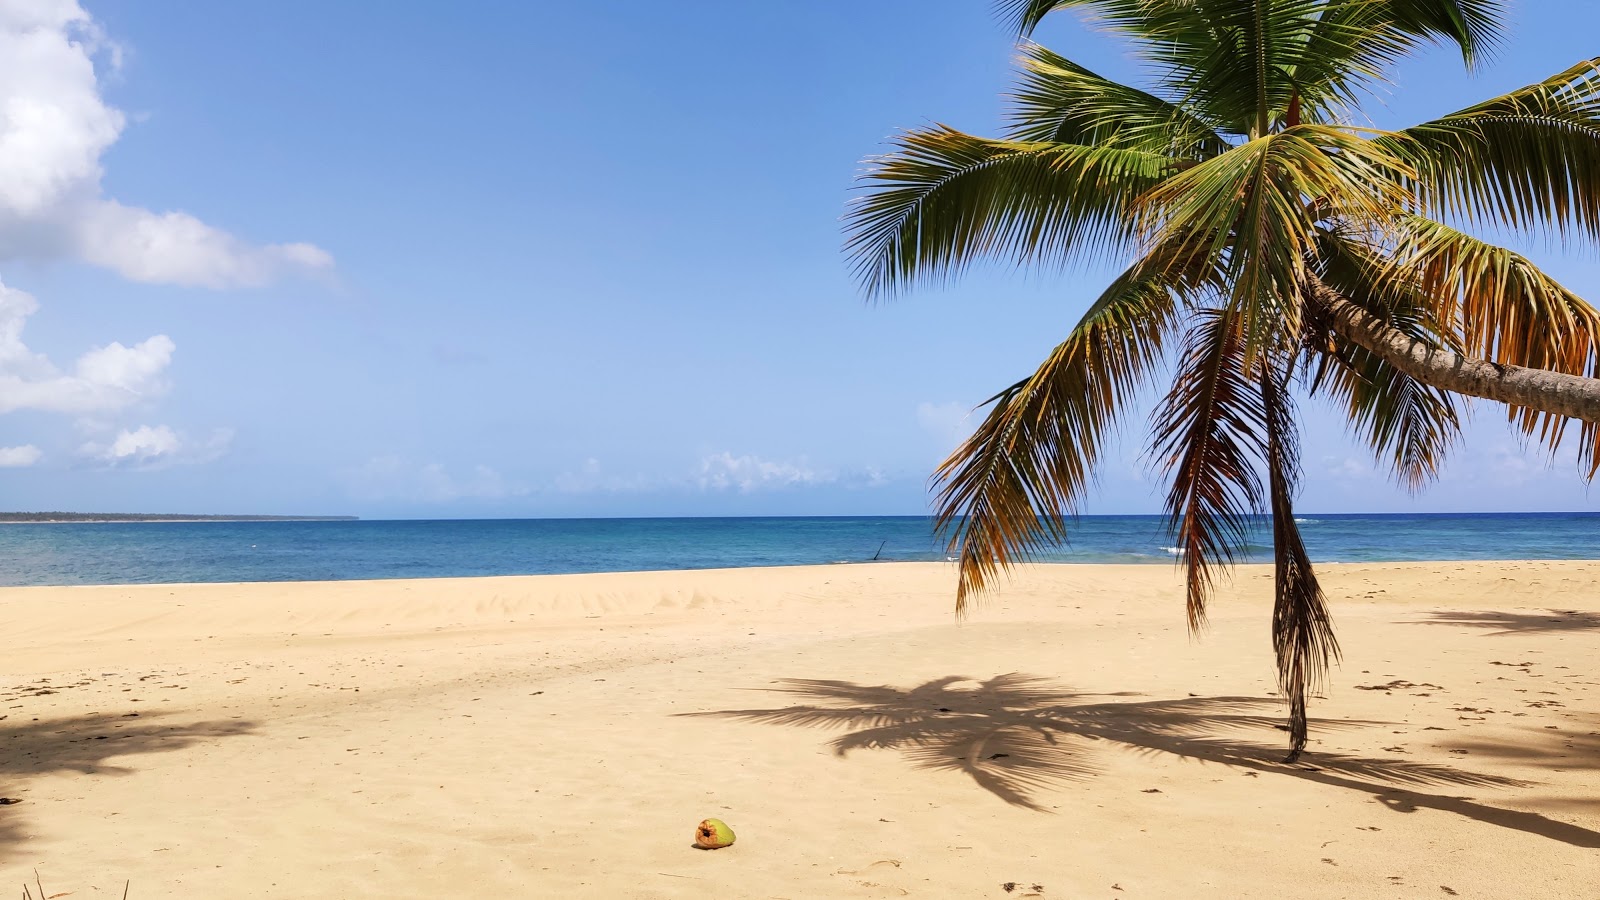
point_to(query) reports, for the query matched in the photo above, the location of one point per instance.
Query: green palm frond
(1302, 631)
(1247, 63)
(1023, 16)
(1062, 102)
(1232, 57)
(1009, 489)
(1350, 48)
(1249, 205)
(1529, 159)
(944, 198)
(1208, 433)
(1225, 56)
(1473, 25)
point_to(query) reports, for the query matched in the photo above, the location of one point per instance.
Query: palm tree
(1276, 247)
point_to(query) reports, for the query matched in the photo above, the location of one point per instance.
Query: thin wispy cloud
(396, 479)
(718, 473)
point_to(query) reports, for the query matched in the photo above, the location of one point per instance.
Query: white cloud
(149, 447)
(104, 379)
(142, 444)
(723, 471)
(718, 472)
(54, 129)
(19, 457)
(391, 478)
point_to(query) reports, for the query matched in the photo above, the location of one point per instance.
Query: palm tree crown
(1276, 247)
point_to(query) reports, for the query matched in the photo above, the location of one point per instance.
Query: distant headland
(13, 518)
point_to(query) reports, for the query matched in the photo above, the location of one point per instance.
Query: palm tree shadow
(1017, 737)
(1516, 622)
(86, 745)
(1504, 623)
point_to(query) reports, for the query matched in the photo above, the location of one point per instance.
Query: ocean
(176, 552)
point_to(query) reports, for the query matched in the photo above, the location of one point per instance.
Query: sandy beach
(560, 736)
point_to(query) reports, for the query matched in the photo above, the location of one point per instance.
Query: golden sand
(561, 736)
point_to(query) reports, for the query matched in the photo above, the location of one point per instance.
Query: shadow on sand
(1575, 744)
(1016, 736)
(86, 744)
(1499, 622)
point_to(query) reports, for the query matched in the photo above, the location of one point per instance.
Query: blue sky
(547, 260)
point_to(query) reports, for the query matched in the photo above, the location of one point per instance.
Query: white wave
(1174, 551)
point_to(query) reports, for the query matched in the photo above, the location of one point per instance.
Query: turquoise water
(168, 552)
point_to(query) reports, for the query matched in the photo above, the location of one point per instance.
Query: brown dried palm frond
(1302, 630)
(1208, 435)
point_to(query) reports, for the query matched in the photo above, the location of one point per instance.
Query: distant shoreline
(64, 518)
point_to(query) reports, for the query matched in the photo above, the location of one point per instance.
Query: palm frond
(1244, 63)
(1529, 159)
(1009, 489)
(1504, 309)
(1062, 102)
(1023, 16)
(1475, 26)
(1302, 631)
(1249, 205)
(1208, 433)
(1220, 52)
(944, 198)
(1349, 49)
(1229, 57)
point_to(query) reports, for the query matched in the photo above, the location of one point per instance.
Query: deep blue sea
(167, 552)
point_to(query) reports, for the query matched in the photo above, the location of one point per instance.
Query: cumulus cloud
(391, 478)
(19, 457)
(54, 129)
(104, 379)
(142, 444)
(158, 446)
(724, 471)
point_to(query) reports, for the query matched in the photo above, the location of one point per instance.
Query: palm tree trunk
(1557, 393)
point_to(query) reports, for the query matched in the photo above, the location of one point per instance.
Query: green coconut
(713, 834)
